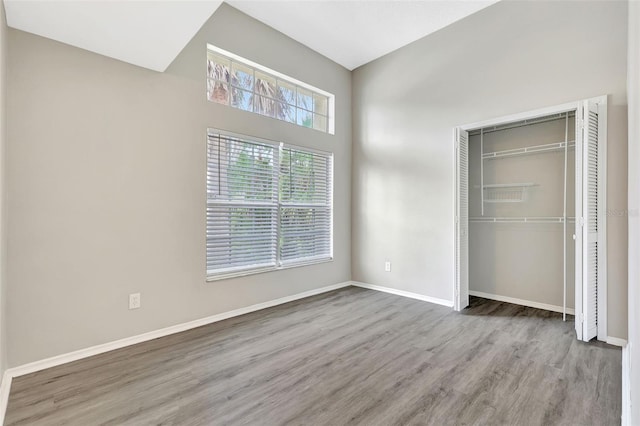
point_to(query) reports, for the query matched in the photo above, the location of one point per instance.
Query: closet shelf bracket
(505, 192)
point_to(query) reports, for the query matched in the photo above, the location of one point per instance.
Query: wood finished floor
(352, 356)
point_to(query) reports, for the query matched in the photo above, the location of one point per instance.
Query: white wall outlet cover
(387, 266)
(134, 300)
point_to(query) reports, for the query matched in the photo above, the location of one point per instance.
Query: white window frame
(330, 115)
(239, 271)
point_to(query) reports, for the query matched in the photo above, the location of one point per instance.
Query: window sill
(219, 277)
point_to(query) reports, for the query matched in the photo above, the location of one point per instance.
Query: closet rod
(564, 222)
(547, 219)
(481, 172)
(528, 122)
(532, 149)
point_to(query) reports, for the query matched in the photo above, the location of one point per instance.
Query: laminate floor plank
(351, 356)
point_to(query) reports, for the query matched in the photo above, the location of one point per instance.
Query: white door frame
(537, 113)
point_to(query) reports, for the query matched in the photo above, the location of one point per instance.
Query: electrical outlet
(387, 266)
(134, 300)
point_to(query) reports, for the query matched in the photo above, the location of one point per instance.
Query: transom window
(242, 84)
(269, 205)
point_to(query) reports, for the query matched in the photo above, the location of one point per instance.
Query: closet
(530, 225)
(521, 201)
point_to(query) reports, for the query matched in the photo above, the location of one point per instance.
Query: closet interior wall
(522, 260)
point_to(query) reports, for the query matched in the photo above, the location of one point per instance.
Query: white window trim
(240, 271)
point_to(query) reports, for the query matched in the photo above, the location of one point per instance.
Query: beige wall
(107, 181)
(3, 184)
(494, 63)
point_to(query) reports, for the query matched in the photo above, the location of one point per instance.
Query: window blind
(242, 205)
(268, 206)
(305, 205)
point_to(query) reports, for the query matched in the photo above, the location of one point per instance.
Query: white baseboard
(403, 293)
(5, 387)
(625, 419)
(616, 341)
(128, 341)
(522, 302)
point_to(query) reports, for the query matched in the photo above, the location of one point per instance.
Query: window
(269, 205)
(242, 84)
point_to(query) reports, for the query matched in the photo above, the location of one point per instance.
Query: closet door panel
(462, 230)
(590, 208)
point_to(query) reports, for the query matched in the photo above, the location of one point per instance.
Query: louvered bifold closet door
(305, 205)
(590, 199)
(462, 246)
(242, 205)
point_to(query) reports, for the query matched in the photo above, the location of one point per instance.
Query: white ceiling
(353, 32)
(151, 33)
